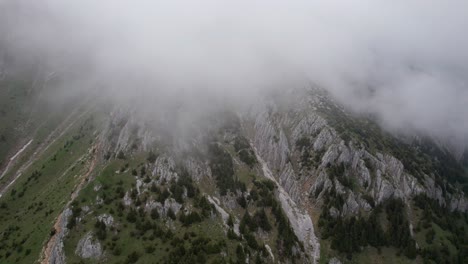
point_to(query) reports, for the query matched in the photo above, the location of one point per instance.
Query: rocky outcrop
(89, 247)
(224, 215)
(125, 132)
(197, 169)
(164, 169)
(380, 176)
(300, 220)
(57, 255)
(107, 219)
(169, 203)
(361, 176)
(363, 179)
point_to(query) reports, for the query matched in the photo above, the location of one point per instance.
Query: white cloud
(404, 61)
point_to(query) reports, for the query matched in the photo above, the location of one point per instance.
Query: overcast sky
(405, 61)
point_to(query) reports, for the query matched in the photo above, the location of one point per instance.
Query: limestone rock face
(274, 129)
(164, 169)
(300, 220)
(380, 175)
(171, 204)
(197, 169)
(367, 178)
(89, 247)
(122, 131)
(57, 255)
(304, 172)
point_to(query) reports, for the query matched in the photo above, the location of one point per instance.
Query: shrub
(303, 142)
(133, 257)
(132, 215)
(242, 202)
(262, 220)
(154, 214)
(171, 214)
(121, 155)
(152, 157)
(222, 167)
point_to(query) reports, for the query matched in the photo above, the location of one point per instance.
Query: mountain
(296, 178)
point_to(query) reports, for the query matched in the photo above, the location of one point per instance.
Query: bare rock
(107, 219)
(89, 247)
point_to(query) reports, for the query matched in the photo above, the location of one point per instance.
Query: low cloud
(405, 62)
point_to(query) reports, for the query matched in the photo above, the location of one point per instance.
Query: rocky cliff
(278, 182)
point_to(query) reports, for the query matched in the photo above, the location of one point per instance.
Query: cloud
(405, 62)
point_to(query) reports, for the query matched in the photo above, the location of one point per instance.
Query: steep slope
(343, 168)
(294, 179)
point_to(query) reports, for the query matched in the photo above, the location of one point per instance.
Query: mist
(404, 62)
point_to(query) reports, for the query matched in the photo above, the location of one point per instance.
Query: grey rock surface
(89, 247)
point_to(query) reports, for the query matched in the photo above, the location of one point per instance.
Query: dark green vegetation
(338, 172)
(349, 235)
(308, 158)
(221, 159)
(244, 150)
(262, 197)
(223, 169)
(443, 235)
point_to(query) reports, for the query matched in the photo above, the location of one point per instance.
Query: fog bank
(405, 62)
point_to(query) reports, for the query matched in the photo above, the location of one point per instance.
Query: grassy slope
(127, 243)
(29, 213)
(122, 236)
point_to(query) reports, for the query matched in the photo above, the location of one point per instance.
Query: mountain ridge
(300, 170)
